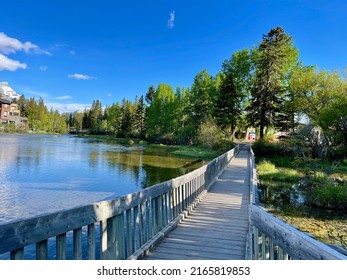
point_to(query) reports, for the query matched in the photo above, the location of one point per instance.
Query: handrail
(126, 223)
(273, 239)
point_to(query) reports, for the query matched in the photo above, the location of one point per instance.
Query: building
(9, 111)
(5, 105)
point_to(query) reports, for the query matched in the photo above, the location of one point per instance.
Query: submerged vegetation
(309, 193)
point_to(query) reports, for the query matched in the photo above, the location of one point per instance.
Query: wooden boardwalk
(217, 228)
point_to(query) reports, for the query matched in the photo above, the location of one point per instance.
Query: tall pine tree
(273, 59)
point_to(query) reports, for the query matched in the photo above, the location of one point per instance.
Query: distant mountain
(7, 91)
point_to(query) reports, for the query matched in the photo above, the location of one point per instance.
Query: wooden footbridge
(210, 213)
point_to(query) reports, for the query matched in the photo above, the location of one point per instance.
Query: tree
(95, 117)
(150, 95)
(114, 118)
(162, 113)
(233, 89)
(314, 90)
(127, 118)
(202, 100)
(140, 118)
(333, 120)
(273, 60)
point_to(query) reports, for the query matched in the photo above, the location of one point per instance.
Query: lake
(47, 173)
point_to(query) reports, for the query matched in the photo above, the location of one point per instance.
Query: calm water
(47, 173)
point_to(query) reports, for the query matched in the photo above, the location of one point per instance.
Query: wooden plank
(235, 251)
(197, 254)
(17, 254)
(206, 240)
(77, 244)
(120, 238)
(111, 238)
(42, 250)
(137, 228)
(129, 231)
(295, 243)
(91, 241)
(142, 224)
(103, 240)
(61, 246)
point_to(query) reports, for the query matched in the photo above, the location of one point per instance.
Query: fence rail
(126, 225)
(270, 238)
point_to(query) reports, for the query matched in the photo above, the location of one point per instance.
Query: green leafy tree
(233, 89)
(203, 93)
(162, 113)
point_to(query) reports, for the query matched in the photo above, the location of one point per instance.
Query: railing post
(120, 248)
(111, 238)
(103, 240)
(61, 246)
(42, 250)
(91, 241)
(17, 254)
(77, 244)
(128, 232)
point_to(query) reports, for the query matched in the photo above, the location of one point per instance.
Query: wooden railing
(127, 226)
(272, 239)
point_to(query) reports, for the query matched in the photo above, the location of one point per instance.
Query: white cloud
(43, 68)
(77, 76)
(109, 95)
(72, 52)
(64, 97)
(11, 45)
(9, 64)
(171, 21)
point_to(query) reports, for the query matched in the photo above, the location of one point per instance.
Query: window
(5, 114)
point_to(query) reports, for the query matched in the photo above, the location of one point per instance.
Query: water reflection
(46, 173)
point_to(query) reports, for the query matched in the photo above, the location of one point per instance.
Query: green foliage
(265, 167)
(163, 113)
(273, 60)
(210, 135)
(329, 196)
(263, 148)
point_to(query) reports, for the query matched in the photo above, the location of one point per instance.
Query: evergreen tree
(273, 59)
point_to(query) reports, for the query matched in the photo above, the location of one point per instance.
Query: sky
(73, 52)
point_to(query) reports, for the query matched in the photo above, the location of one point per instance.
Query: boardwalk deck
(218, 227)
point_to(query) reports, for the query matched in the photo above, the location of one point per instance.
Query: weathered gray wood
(129, 233)
(61, 246)
(137, 229)
(142, 224)
(148, 220)
(17, 254)
(120, 239)
(77, 244)
(42, 250)
(111, 238)
(103, 240)
(91, 235)
(294, 242)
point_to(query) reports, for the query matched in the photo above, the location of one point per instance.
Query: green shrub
(265, 167)
(329, 195)
(262, 148)
(209, 135)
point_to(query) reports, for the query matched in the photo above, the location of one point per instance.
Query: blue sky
(73, 52)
